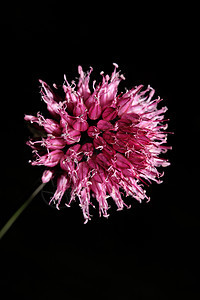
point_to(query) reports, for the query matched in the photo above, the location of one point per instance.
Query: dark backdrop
(150, 251)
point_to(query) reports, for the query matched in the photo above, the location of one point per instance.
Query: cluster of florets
(98, 144)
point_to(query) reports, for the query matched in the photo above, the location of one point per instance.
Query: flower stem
(20, 210)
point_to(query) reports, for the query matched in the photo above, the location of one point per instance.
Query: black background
(150, 251)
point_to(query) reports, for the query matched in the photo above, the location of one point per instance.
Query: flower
(99, 143)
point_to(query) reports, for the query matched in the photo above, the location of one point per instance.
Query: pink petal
(99, 143)
(108, 93)
(104, 125)
(50, 159)
(121, 136)
(73, 136)
(109, 137)
(54, 143)
(63, 183)
(80, 124)
(102, 160)
(94, 111)
(93, 131)
(109, 114)
(108, 150)
(30, 118)
(108, 89)
(52, 127)
(50, 98)
(82, 171)
(83, 84)
(80, 109)
(121, 162)
(66, 119)
(120, 146)
(127, 172)
(67, 164)
(87, 149)
(71, 98)
(74, 150)
(75, 153)
(99, 176)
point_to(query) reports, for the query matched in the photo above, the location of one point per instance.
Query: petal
(103, 161)
(74, 150)
(53, 143)
(83, 84)
(30, 118)
(121, 162)
(93, 131)
(67, 164)
(108, 150)
(99, 176)
(50, 159)
(127, 172)
(73, 136)
(109, 114)
(87, 149)
(63, 183)
(120, 146)
(109, 137)
(99, 143)
(94, 111)
(80, 109)
(82, 170)
(80, 124)
(104, 125)
(52, 127)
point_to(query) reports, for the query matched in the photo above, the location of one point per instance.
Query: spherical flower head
(99, 143)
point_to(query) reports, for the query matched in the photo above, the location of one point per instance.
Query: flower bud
(47, 176)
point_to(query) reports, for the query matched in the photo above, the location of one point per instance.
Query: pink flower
(98, 143)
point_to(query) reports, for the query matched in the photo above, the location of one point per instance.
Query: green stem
(20, 210)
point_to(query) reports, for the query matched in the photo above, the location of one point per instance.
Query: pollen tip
(80, 69)
(115, 65)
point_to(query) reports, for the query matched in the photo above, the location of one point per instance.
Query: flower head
(99, 143)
